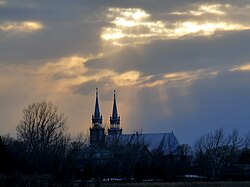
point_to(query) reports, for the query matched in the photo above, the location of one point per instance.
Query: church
(166, 141)
(114, 154)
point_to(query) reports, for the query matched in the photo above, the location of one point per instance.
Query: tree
(215, 151)
(15, 154)
(184, 150)
(4, 156)
(43, 131)
(247, 140)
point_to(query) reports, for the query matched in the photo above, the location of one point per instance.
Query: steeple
(114, 120)
(97, 135)
(97, 118)
(114, 114)
(97, 110)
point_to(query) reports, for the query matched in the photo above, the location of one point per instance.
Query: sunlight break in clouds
(26, 26)
(216, 9)
(68, 67)
(53, 77)
(134, 26)
(67, 72)
(188, 77)
(62, 74)
(127, 79)
(245, 67)
(71, 71)
(205, 28)
(129, 17)
(181, 79)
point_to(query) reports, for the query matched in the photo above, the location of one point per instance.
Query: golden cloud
(198, 10)
(70, 71)
(54, 76)
(135, 26)
(68, 66)
(127, 79)
(59, 76)
(190, 75)
(245, 67)
(209, 28)
(26, 26)
(183, 78)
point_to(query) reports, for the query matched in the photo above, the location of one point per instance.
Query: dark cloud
(222, 101)
(73, 28)
(58, 76)
(69, 29)
(87, 88)
(104, 86)
(180, 55)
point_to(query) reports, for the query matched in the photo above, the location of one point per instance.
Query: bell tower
(115, 128)
(97, 135)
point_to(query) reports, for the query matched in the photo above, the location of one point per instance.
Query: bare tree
(247, 140)
(209, 151)
(184, 150)
(79, 142)
(236, 143)
(215, 151)
(43, 131)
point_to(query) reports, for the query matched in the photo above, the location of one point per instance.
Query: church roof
(164, 142)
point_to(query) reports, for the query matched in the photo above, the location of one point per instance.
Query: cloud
(67, 67)
(161, 57)
(127, 78)
(67, 29)
(87, 88)
(2, 2)
(185, 74)
(245, 67)
(25, 26)
(188, 78)
(201, 9)
(130, 26)
(206, 104)
(108, 80)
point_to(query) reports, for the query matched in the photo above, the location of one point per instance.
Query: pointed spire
(114, 114)
(97, 110)
(97, 118)
(114, 120)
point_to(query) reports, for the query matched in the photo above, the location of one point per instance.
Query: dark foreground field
(182, 184)
(156, 184)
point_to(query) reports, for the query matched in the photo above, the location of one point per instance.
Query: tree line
(43, 146)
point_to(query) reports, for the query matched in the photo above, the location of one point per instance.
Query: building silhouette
(115, 128)
(166, 141)
(97, 135)
(137, 155)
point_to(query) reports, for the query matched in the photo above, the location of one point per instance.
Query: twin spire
(97, 117)
(97, 110)
(114, 114)
(114, 118)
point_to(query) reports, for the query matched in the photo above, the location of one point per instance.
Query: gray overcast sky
(177, 66)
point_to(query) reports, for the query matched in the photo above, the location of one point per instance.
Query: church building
(165, 141)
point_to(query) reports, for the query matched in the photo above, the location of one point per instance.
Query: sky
(181, 66)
